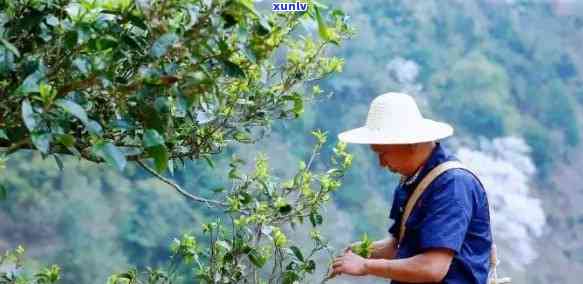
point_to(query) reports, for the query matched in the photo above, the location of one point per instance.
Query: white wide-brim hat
(394, 118)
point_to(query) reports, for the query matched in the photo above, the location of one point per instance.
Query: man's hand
(332, 273)
(350, 263)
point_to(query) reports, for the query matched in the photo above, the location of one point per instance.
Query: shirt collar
(437, 156)
(412, 179)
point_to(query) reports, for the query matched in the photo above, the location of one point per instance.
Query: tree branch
(179, 188)
(17, 145)
(92, 80)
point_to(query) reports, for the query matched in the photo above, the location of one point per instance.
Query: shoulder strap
(425, 182)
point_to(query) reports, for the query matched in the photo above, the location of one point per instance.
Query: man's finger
(337, 270)
(333, 274)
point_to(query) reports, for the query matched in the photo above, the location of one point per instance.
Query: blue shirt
(452, 213)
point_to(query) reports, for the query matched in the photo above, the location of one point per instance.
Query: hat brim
(425, 131)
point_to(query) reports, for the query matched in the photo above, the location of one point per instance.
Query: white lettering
(289, 7)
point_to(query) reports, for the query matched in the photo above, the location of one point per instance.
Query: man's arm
(431, 266)
(384, 249)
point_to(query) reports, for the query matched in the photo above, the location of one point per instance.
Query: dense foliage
(118, 81)
(492, 68)
(168, 80)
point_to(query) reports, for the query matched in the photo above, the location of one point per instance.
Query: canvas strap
(425, 182)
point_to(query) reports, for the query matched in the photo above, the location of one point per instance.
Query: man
(447, 237)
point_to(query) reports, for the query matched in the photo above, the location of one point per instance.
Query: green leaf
(229, 20)
(152, 138)
(160, 47)
(94, 127)
(209, 161)
(160, 155)
(52, 20)
(59, 162)
(41, 141)
(152, 119)
(131, 41)
(316, 219)
(31, 83)
(74, 109)
(28, 115)
(71, 39)
(162, 105)
(242, 137)
(110, 154)
(250, 7)
(3, 135)
(245, 198)
(256, 258)
(83, 65)
(204, 278)
(218, 189)
(104, 43)
(47, 93)
(310, 266)
(290, 277)
(234, 174)
(263, 27)
(297, 252)
(298, 103)
(3, 192)
(232, 69)
(10, 47)
(323, 29)
(121, 124)
(137, 21)
(317, 4)
(6, 60)
(224, 245)
(285, 209)
(156, 148)
(364, 247)
(66, 140)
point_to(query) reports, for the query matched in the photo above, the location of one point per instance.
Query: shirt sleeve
(448, 212)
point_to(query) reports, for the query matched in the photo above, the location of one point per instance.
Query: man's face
(393, 157)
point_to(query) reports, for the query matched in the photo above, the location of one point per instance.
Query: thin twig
(179, 188)
(86, 83)
(18, 145)
(315, 152)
